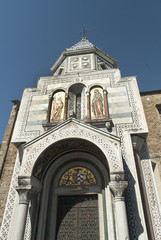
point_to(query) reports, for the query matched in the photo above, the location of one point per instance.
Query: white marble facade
(121, 215)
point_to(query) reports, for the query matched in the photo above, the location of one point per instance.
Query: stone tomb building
(74, 160)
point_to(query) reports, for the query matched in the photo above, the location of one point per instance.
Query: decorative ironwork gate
(77, 218)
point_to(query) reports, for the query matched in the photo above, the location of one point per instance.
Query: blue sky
(34, 33)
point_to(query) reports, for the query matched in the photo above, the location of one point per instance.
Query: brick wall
(150, 101)
(8, 154)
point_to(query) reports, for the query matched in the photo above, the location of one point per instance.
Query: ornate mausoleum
(82, 169)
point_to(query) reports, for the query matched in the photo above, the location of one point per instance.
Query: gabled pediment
(107, 143)
(70, 124)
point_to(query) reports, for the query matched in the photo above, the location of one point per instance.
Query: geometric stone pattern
(134, 224)
(151, 192)
(131, 201)
(42, 90)
(8, 154)
(10, 202)
(135, 228)
(110, 150)
(56, 137)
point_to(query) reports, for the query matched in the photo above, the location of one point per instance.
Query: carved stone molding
(100, 122)
(118, 189)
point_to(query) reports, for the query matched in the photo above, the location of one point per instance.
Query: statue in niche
(57, 110)
(97, 103)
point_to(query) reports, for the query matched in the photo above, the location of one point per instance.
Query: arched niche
(78, 157)
(57, 107)
(98, 104)
(77, 101)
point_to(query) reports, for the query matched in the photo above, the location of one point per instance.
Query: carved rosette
(118, 189)
(25, 193)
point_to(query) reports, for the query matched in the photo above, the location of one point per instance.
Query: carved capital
(118, 189)
(25, 193)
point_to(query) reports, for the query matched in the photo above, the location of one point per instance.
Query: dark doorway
(77, 218)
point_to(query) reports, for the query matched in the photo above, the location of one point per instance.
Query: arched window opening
(76, 101)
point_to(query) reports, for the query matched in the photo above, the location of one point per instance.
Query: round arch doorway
(73, 202)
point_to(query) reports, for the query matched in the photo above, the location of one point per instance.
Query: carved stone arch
(62, 147)
(77, 100)
(71, 84)
(110, 149)
(95, 85)
(55, 90)
(51, 190)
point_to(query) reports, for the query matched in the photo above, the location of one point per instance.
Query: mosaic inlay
(77, 176)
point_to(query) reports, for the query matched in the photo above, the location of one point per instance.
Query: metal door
(77, 218)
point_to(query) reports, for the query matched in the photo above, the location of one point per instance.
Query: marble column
(24, 198)
(118, 190)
